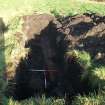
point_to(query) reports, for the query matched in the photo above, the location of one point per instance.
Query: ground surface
(48, 44)
(86, 33)
(10, 45)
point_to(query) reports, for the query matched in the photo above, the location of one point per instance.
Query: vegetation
(9, 46)
(38, 101)
(92, 99)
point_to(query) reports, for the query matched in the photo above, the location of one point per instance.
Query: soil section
(46, 69)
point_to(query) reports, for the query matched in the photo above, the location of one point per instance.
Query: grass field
(67, 7)
(10, 10)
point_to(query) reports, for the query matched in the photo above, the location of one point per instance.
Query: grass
(96, 80)
(35, 101)
(92, 99)
(97, 77)
(10, 48)
(19, 7)
(83, 57)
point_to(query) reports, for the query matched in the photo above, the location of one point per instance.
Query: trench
(46, 70)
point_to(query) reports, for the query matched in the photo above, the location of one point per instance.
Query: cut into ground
(47, 69)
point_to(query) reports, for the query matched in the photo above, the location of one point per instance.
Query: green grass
(18, 7)
(92, 99)
(83, 57)
(97, 77)
(35, 101)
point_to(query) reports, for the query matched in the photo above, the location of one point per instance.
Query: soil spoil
(46, 69)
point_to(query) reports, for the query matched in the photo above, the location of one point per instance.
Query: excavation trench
(39, 72)
(47, 69)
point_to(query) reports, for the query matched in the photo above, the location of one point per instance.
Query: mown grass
(11, 49)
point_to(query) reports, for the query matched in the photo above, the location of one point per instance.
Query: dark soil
(48, 44)
(86, 32)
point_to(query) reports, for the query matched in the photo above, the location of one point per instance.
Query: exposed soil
(86, 32)
(48, 39)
